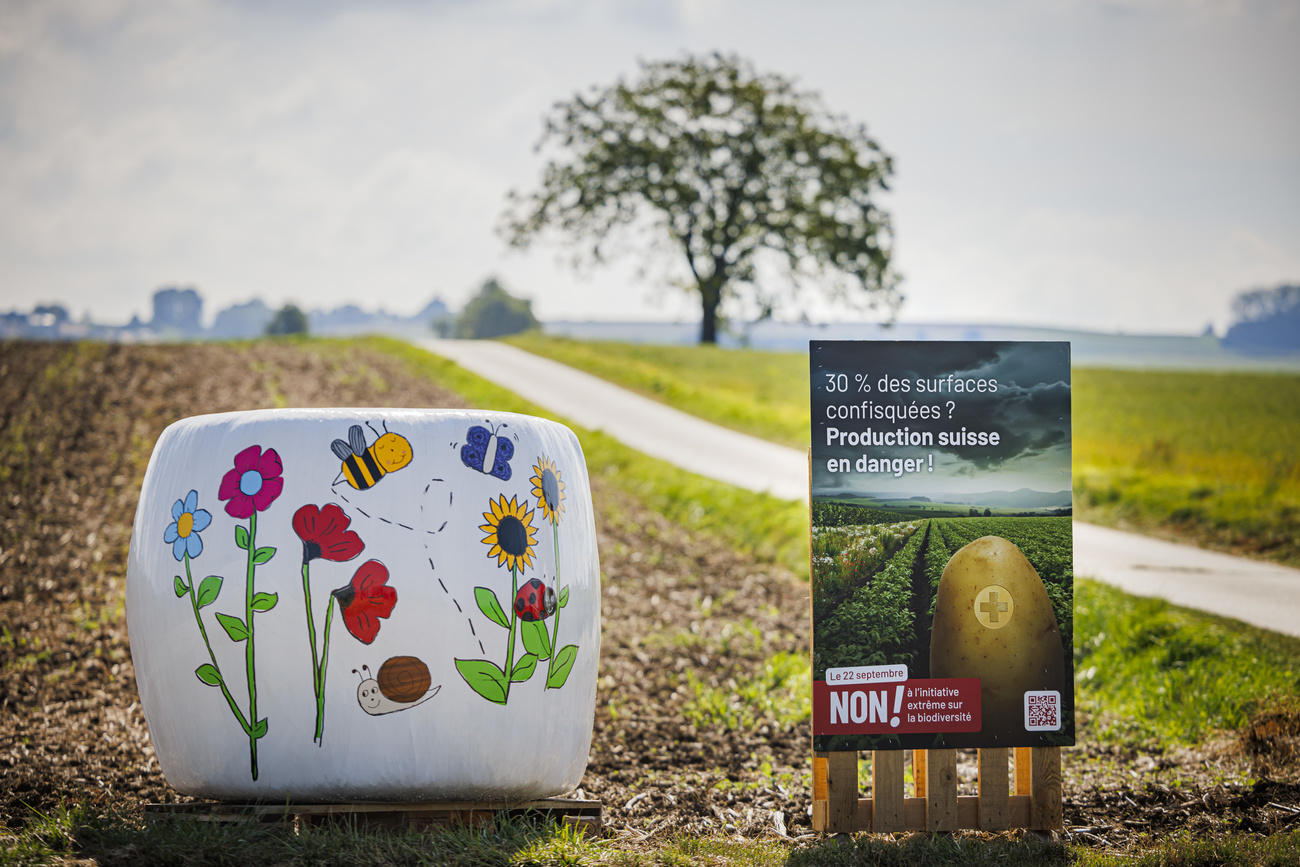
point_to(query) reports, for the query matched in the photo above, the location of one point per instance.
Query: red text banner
(911, 706)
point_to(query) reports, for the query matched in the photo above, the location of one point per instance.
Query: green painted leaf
(564, 598)
(484, 677)
(491, 608)
(536, 640)
(265, 601)
(262, 555)
(241, 537)
(180, 587)
(564, 658)
(207, 672)
(234, 627)
(209, 589)
(258, 730)
(524, 668)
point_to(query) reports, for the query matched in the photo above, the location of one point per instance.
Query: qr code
(1043, 711)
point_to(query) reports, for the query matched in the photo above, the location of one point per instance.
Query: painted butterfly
(487, 452)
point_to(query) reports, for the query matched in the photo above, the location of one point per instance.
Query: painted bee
(364, 467)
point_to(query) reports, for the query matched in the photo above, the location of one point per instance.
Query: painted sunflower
(510, 532)
(548, 488)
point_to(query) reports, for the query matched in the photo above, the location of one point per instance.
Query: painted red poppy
(324, 533)
(366, 600)
(253, 484)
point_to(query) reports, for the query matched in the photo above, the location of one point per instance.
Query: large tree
(725, 165)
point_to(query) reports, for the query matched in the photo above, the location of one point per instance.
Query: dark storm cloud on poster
(951, 392)
(933, 463)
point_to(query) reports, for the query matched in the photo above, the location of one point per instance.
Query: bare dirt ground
(77, 423)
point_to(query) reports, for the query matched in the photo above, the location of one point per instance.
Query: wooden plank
(887, 791)
(819, 776)
(968, 811)
(1019, 811)
(1046, 812)
(235, 808)
(842, 792)
(1023, 774)
(914, 812)
(819, 816)
(918, 773)
(941, 790)
(995, 797)
(583, 814)
(864, 814)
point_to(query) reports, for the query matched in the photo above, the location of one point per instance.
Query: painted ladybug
(534, 601)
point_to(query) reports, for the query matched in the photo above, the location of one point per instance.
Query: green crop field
(1211, 456)
(1204, 457)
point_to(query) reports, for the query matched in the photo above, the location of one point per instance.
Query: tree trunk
(710, 297)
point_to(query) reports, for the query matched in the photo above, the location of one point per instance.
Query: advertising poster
(942, 559)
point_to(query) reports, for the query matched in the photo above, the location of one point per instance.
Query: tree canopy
(494, 312)
(1267, 321)
(730, 167)
(289, 319)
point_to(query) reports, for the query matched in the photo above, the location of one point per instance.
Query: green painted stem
(555, 634)
(311, 637)
(194, 603)
(510, 647)
(248, 651)
(320, 675)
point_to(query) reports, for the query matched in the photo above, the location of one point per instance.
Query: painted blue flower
(183, 532)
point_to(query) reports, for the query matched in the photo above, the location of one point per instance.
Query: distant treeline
(178, 314)
(1268, 322)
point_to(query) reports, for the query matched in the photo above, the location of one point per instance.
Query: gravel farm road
(1259, 593)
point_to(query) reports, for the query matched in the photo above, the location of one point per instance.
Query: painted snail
(401, 684)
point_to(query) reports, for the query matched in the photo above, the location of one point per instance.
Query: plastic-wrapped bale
(352, 604)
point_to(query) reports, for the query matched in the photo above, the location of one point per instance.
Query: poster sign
(942, 559)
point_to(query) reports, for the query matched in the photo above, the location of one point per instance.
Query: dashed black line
(454, 600)
(385, 520)
(363, 511)
(403, 526)
(439, 530)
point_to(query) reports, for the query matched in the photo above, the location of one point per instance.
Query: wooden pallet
(1035, 802)
(583, 815)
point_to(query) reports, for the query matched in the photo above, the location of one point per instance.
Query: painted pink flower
(253, 484)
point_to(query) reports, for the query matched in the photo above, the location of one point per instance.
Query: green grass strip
(1226, 850)
(1150, 671)
(72, 834)
(772, 529)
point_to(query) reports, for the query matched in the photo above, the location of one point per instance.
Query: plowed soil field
(77, 422)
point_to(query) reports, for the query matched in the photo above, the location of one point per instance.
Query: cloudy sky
(1113, 166)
